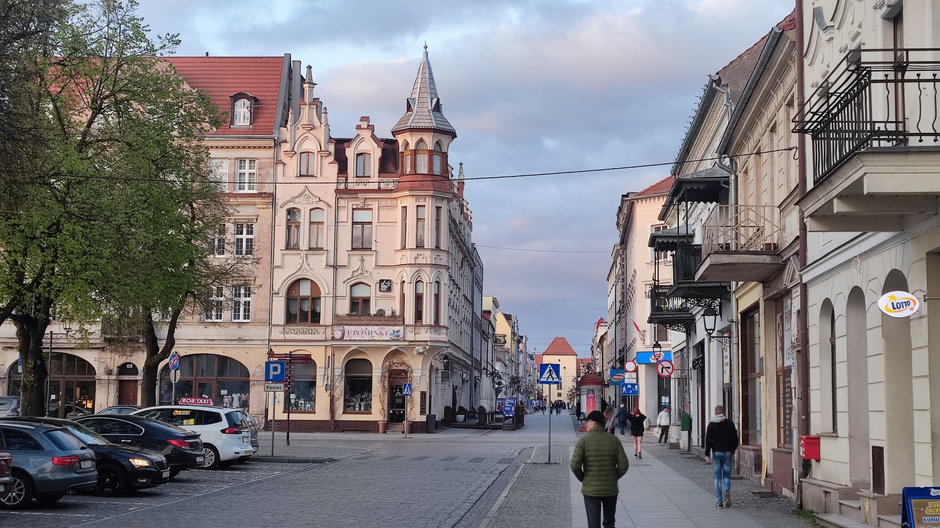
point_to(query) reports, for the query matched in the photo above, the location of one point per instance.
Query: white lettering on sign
(368, 333)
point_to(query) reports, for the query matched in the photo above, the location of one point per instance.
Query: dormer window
(243, 106)
(363, 165)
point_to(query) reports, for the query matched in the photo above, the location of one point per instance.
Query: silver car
(9, 406)
(48, 462)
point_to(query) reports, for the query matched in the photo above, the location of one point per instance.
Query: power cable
(542, 250)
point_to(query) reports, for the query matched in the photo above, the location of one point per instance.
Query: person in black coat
(721, 441)
(637, 428)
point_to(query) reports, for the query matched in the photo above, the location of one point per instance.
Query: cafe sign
(898, 304)
(368, 333)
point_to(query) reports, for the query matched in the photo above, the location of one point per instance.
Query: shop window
(303, 388)
(223, 379)
(303, 302)
(358, 386)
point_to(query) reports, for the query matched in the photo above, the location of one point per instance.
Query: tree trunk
(155, 354)
(29, 333)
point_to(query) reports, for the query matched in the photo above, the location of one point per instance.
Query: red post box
(809, 447)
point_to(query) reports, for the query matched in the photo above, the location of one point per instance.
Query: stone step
(851, 509)
(832, 520)
(889, 521)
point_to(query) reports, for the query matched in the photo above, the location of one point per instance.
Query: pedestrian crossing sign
(550, 374)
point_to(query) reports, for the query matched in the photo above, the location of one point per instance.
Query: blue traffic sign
(550, 374)
(274, 371)
(174, 362)
(406, 389)
(651, 358)
(630, 389)
(509, 408)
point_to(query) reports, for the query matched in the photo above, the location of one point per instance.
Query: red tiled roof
(591, 379)
(660, 187)
(559, 347)
(538, 359)
(223, 77)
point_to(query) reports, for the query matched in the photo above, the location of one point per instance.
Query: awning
(706, 186)
(668, 239)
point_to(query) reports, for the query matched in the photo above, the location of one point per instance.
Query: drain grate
(765, 494)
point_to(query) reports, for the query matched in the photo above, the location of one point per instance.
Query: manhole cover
(765, 494)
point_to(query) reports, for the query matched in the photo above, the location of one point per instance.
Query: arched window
(408, 156)
(359, 296)
(363, 165)
(438, 161)
(225, 380)
(437, 302)
(241, 112)
(303, 302)
(402, 300)
(419, 302)
(303, 388)
(421, 151)
(307, 163)
(317, 219)
(358, 393)
(292, 235)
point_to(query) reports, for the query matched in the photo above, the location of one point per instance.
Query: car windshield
(64, 440)
(85, 434)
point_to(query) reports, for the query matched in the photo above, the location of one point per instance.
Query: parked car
(6, 466)
(9, 406)
(181, 448)
(119, 409)
(120, 468)
(225, 433)
(48, 462)
(71, 411)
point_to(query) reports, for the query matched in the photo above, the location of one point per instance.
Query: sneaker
(727, 500)
(719, 505)
(640, 455)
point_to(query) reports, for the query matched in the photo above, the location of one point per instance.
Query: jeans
(623, 428)
(593, 507)
(663, 433)
(721, 468)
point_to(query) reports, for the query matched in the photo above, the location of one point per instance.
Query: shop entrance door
(127, 392)
(396, 395)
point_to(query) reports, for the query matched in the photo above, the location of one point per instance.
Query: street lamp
(710, 320)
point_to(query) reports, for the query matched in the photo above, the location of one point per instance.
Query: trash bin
(431, 423)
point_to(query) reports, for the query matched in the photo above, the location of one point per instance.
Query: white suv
(225, 433)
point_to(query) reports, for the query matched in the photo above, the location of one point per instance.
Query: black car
(182, 448)
(120, 468)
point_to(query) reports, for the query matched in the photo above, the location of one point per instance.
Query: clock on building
(385, 285)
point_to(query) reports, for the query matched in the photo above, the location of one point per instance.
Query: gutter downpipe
(803, 425)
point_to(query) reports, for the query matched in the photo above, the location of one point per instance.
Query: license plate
(87, 464)
(166, 473)
(200, 460)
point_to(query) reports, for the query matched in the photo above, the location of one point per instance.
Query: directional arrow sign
(664, 368)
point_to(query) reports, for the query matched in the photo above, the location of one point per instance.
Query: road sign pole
(549, 437)
(287, 399)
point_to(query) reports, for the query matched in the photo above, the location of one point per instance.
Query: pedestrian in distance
(609, 419)
(598, 462)
(637, 429)
(663, 420)
(622, 414)
(721, 441)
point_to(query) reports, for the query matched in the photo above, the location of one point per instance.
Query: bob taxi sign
(898, 304)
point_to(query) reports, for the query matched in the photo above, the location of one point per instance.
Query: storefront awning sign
(651, 358)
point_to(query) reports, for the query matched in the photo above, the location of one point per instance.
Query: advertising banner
(920, 507)
(651, 358)
(617, 376)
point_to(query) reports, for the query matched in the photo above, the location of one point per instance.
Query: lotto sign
(898, 304)
(664, 368)
(550, 374)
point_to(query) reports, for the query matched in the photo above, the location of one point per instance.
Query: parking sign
(274, 371)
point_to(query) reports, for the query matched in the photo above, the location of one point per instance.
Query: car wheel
(20, 492)
(111, 480)
(211, 457)
(49, 499)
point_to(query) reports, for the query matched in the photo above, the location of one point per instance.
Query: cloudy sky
(531, 86)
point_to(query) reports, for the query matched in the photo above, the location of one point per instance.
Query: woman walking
(609, 419)
(637, 428)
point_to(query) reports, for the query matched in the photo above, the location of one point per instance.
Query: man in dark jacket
(721, 440)
(598, 462)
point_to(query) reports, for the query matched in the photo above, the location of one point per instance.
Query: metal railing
(741, 228)
(661, 302)
(873, 98)
(685, 262)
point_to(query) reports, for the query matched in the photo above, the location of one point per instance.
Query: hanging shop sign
(616, 377)
(898, 304)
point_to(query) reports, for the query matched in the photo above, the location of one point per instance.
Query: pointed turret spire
(423, 108)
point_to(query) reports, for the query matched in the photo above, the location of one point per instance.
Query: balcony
(740, 243)
(873, 125)
(669, 310)
(686, 261)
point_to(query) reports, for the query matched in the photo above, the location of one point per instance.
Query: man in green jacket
(598, 462)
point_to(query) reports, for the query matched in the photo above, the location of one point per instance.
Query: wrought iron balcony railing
(873, 98)
(661, 302)
(741, 228)
(685, 261)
